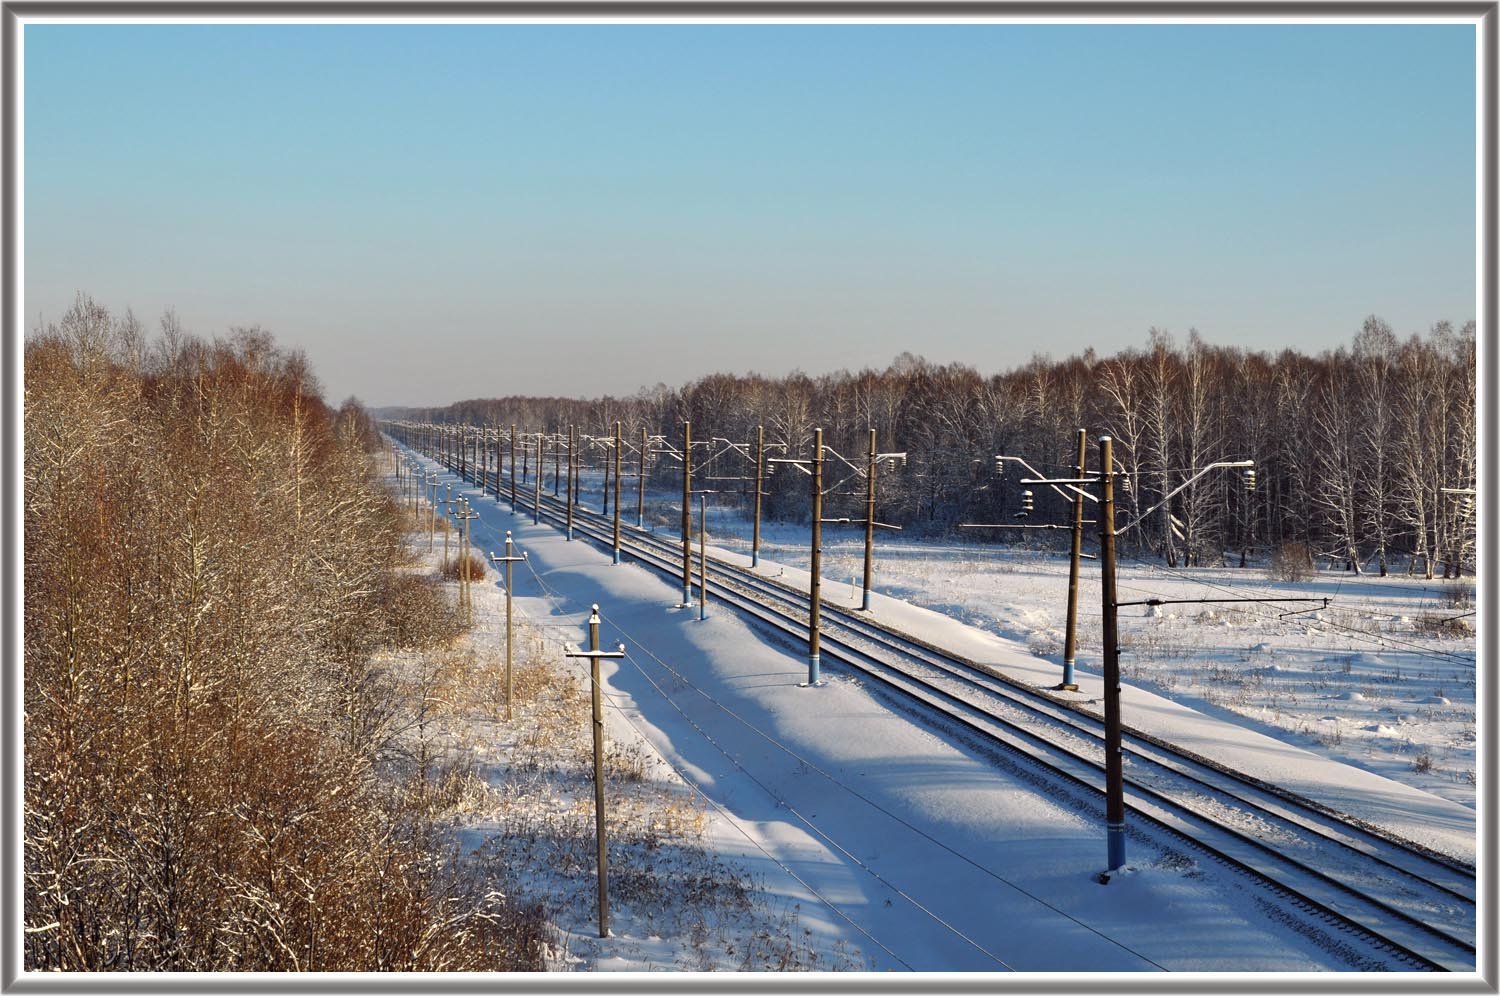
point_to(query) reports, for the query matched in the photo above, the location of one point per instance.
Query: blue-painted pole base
(864, 604)
(702, 609)
(754, 559)
(687, 596)
(1068, 684)
(570, 534)
(1115, 833)
(617, 556)
(813, 679)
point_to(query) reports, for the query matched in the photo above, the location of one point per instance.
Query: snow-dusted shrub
(1291, 562)
(213, 584)
(466, 568)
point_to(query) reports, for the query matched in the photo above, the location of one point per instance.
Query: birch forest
(1352, 447)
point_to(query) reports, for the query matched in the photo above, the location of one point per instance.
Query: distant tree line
(1352, 446)
(213, 758)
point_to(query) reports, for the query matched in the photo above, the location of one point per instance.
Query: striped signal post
(594, 654)
(507, 560)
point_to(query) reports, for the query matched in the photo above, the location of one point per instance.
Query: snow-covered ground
(1384, 678)
(901, 848)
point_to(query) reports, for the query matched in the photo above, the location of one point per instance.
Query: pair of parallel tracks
(1415, 905)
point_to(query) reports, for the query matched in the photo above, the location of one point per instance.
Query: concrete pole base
(1115, 834)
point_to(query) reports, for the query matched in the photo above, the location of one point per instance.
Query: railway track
(1413, 903)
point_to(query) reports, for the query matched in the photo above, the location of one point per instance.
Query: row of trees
(210, 566)
(1353, 447)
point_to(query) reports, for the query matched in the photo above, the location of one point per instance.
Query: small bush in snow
(1292, 563)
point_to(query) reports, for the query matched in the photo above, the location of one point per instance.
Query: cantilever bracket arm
(1171, 494)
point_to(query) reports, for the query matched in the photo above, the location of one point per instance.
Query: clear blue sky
(439, 212)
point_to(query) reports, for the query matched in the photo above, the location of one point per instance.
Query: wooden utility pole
(815, 586)
(507, 560)
(1114, 781)
(447, 504)
(594, 654)
(1070, 643)
(463, 553)
(687, 514)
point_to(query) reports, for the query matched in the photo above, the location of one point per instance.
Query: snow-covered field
(1383, 678)
(894, 846)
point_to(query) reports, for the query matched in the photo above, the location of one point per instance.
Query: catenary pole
(1070, 645)
(815, 592)
(572, 448)
(640, 499)
(702, 556)
(760, 463)
(1114, 788)
(618, 445)
(687, 514)
(869, 524)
